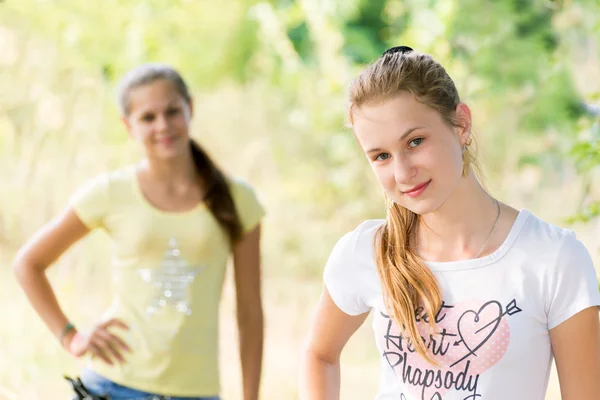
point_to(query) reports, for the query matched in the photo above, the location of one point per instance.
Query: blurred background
(269, 79)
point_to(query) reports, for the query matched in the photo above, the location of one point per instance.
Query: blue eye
(382, 157)
(415, 142)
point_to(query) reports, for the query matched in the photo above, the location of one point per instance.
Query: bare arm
(246, 258)
(576, 346)
(32, 260)
(330, 330)
(30, 265)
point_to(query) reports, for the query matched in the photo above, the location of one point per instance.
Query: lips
(166, 140)
(417, 190)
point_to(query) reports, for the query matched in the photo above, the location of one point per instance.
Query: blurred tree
(366, 32)
(211, 40)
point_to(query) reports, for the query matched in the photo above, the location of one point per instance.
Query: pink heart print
(470, 338)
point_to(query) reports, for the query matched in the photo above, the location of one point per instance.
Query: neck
(459, 228)
(180, 170)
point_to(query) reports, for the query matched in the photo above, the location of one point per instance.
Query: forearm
(251, 331)
(37, 288)
(320, 379)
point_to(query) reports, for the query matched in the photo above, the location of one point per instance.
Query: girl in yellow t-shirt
(173, 219)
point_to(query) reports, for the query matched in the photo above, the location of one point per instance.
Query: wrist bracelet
(69, 327)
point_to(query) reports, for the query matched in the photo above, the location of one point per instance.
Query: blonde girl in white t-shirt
(471, 298)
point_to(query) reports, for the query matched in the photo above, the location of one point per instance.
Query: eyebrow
(169, 105)
(404, 135)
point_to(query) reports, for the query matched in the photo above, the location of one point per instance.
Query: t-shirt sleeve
(343, 279)
(90, 202)
(247, 204)
(573, 282)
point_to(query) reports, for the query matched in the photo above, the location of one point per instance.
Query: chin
(167, 155)
(170, 152)
(421, 207)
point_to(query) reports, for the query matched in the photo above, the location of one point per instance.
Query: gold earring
(466, 158)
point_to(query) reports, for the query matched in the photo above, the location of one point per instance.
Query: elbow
(20, 271)
(312, 355)
(23, 268)
(19, 267)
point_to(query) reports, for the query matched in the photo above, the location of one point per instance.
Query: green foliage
(366, 32)
(288, 63)
(512, 48)
(209, 40)
(586, 153)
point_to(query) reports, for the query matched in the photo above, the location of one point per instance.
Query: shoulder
(106, 185)
(122, 177)
(243, 193)
(547, 238)
(350, 273)
(95, 199)
(555, 247)
(117, 176)
(564, 267)
(535, 227)
(355, 249)
(249, 207)
(365, 236)
(238, 184)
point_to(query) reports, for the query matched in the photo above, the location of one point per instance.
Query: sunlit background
(269, 80)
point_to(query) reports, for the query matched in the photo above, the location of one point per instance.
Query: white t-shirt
(492, 341)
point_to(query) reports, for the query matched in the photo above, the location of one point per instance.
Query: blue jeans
(101, 386)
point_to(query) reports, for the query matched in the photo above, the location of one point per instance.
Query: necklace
(484, 244)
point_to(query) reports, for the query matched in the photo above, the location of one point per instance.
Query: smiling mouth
(417, 190)
(167, 140)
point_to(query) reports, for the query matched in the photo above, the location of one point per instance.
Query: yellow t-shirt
(168, 272)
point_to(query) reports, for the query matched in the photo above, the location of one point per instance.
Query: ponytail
(218, 197)
(407, 282)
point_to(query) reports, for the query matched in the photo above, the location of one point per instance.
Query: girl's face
(159, 119)
(415, 155)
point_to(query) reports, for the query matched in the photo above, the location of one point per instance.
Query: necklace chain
(486, 240)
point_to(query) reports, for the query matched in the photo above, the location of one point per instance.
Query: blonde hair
(408, 283)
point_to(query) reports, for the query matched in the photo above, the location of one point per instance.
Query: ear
(191, 105)
(126, 124)
(463, 118)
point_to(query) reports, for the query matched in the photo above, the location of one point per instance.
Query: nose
(404, 170)
(161, 123)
